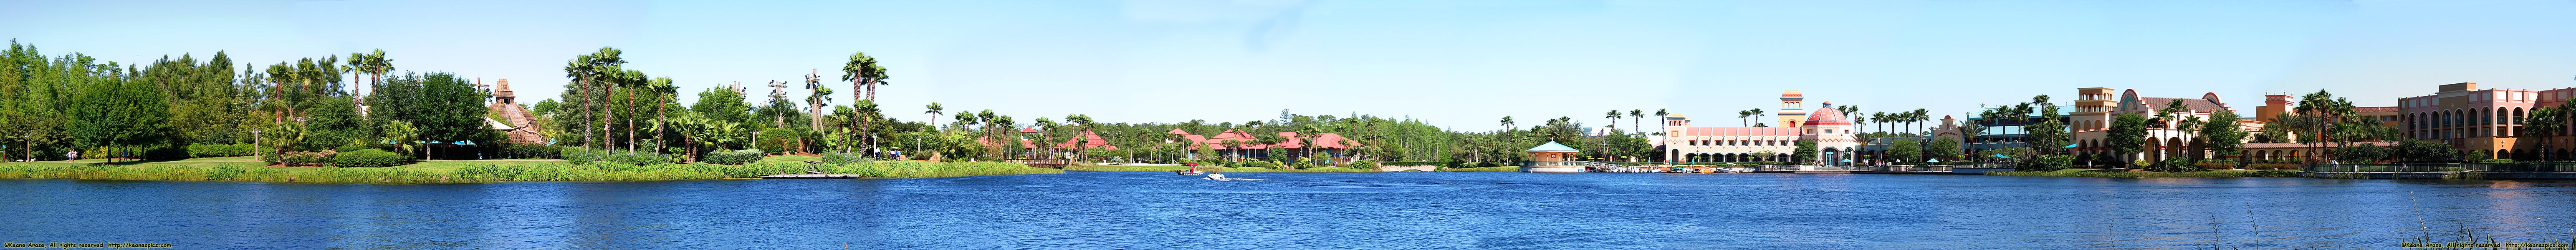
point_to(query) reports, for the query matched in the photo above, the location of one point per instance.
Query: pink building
(2478, 120)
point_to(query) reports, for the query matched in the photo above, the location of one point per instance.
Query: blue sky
(1462, 64)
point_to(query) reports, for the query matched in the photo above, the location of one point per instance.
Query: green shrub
(1260, 164)
(219, 150)
(353, 147)
(735, 157)
(530, 151)
(843, 158)
(581, 156)
(639, 158)
(368, 158)
(777, 139)
(300, 158)
(1361, 164)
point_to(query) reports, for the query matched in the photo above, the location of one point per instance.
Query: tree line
(54, 105)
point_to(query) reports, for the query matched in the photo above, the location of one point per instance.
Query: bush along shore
(479, 172)
(2118, 173)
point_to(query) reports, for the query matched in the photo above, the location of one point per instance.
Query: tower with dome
(1683, 143)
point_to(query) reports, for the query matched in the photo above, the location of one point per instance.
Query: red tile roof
(2195, 104)
(1089, 139)
(987, 141)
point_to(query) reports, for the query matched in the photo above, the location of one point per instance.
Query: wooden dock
(810, 176)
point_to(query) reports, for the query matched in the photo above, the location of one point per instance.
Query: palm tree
(2547, 123)
(934, 110)
(1613, 116)
(633, 81)
(664, 92)
(588, 71)
(1084, 122)
(1046, 130)
(1919, 116)
(1269, 141)
(1757, 115)
(1636, 120)
(1308, 135)
(867, 116)
(1660, 115)
(2189, 127)
(1741, 115)
(374, 65)
(864, 74)
(1507, 123)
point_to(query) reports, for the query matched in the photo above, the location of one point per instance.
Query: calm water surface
(1150, 210)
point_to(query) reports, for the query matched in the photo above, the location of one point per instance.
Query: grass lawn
(473, 171)
(2122, 173)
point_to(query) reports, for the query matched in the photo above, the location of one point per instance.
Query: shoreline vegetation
(492, 171)
(2123, 173)
(1215, 169)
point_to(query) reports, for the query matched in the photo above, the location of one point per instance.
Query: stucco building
(1683, 142)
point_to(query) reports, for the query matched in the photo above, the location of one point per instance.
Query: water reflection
(1094, 210)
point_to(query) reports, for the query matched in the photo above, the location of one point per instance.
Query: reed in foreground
(504, 172)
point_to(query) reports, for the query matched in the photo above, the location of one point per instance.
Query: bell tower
(1792, 110)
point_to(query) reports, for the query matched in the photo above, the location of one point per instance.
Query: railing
(2444, 167)
(1551, 163)
(1856, 168)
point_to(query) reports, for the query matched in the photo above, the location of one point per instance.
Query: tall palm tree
(633, 81)
(934, 110)
(663, 92)
(1919, 116)
(864, 75)
(374, 65)
(1507, 123)
(1636, 120)
(1659, 118)
(590, 71)
(1613, 116)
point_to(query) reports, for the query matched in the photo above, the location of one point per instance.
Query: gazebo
(1550, 158)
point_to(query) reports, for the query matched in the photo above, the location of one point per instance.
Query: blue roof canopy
(1551, 146)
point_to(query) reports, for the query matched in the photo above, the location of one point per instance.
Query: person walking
(69, 156)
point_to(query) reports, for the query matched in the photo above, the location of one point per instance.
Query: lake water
(1157, 210)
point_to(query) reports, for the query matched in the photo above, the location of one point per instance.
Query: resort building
(513, 120)
(1683, 143)
(1329, 148)
(2096, 108)
(2488, 121)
